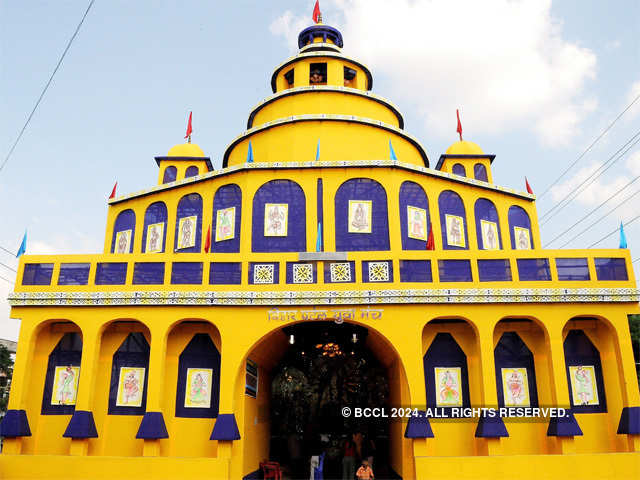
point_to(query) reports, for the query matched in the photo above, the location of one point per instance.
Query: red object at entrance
(271, 470)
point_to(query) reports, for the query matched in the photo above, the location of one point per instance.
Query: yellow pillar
(155, 384)
(489, 388)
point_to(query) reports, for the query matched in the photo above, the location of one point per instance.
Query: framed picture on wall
(187, 232)
(448, 386)
(65, 385)
(155, 236)
(251, 379)
(515, 387)
(359, 216)
(522, 238)
(225, 224)
(130, 387)
(416, 223)
(275, 219)
(489, 235)
(123, 241)
(584, 388)
(455, 231)
(198, 388)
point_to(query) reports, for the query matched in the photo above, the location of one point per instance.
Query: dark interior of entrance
(327, 367)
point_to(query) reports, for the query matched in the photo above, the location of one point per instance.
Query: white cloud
(504, 63)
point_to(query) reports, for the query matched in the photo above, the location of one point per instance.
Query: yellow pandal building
(162, 357)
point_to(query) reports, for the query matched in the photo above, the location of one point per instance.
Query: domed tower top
(320, 33)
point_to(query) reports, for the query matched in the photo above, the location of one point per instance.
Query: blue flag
(392, 154)
(319, 239)
(250, 153)
(318, 152)
(623, 237)
(23, 245)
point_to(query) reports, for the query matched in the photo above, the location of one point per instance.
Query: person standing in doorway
(348, 460)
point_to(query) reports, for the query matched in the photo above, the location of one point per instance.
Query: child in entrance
(364, 472)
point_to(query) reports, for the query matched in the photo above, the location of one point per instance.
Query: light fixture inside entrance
(354, 337)
(292, 339)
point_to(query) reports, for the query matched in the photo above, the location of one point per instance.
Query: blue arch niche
(412, 194)
(189, 205)
(227, 196)
(449, 202)
(155, 213)
(67, 353)
(512, 352)
(579, 351)
(132, 352)
(170, 174)
(485, 210)
(191, 171)
(126, 220)
(280, 191)
(458, 169)
(480, 172)
(518, 217)
(362, 189)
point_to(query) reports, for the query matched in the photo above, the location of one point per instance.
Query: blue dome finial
(325, 32)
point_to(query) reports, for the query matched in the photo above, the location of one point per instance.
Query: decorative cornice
(322, 297)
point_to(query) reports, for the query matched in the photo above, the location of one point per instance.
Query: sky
(536, 82)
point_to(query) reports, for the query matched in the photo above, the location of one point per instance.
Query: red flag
(317, 16)
(431, 244)
(207, 241)
(528, 186)
(459, 129)
(189, 129)
(113, 192)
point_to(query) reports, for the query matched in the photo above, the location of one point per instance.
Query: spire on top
(189, 129)
(317, 14)
(459, 129)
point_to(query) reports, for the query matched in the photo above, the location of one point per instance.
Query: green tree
(634, 329)
(6, 371)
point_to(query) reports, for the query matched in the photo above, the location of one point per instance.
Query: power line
(589, 147)
(8, 267)
(616, 230)
(591, 178)
(8, 281)
(636, 260)
(8, 251)
(46, 87)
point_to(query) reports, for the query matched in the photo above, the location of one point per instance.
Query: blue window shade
(74, 274)
(148, 273)
(200, 353)
(126, 220)
(579, 351)
(327, 272)
(485, 210)
(415, 271)
(518, 217)
(449, 202)
(170, 174)
(458, 169)
(111, 273)
(314, 270)
(227, 196)
(611, 269)
(280, 192)
(225, 273)
(377, 278)
(276, 272)
(133, 352)
(512, 352)
(572, 269)
(494, 270)
(480, 172)
(192, 171)
(188, 206)
(531, 269)
(455, 270)
(37, 274)
(67, 353)
(155, 213)
(412, 195)
(186, 273)
(361, 189)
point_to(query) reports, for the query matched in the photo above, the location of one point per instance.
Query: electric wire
(616, 230)
(46, 87)
(589, 147)
(8, 267)
(591, 178)
(8, 281)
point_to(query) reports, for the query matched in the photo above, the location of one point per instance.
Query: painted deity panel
(448, 386)
(187, 232)
(65, 385)
(198, 388)
(130, 387)
(155, 235)
(225, 224)
(417, 223)
(275, 219)
(522, 237)
(455, 231)
(583, 385)
(515, 387)
(123, 241)
(489, 235)
(360, 216)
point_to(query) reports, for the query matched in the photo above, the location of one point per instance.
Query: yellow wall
(335, 72)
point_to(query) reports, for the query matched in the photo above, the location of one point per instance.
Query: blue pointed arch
(126, 220)
(155, 213)
(189, 205)
(227, 196)
(412, 194)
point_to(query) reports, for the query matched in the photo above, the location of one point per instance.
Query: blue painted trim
(629, 421)
(152, 427)
(418, 426)
(566, 426)
(444, 156)
(315, 31)
(206, 160)
(81, 425)
(15, 424)
(225, 428)
(491, 427)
